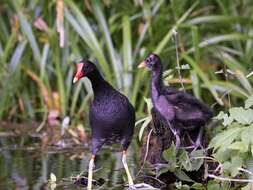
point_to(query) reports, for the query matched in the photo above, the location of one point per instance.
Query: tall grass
(36, 73)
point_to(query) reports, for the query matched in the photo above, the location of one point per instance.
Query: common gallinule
(179, 110)
(111, 116)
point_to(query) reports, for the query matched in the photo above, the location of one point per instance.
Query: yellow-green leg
(129, 177)
(91, 165)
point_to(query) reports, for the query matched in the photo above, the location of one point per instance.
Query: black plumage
(111, 115)
(179, 110)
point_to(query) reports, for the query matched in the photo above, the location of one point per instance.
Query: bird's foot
(195, 146)
(131, 187)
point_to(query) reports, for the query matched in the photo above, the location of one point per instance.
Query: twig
(246, 171)
(146, 153)
(229, 179)
(178, 64)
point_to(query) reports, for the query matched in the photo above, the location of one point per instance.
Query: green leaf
(163, 170)
(241, 115)
(185, 161)
(170, 155)
(224, 139)
(240, 146)
(226, 119)
(198, 186)
(247, 187)
(249, 102)
(236, 162)
(213, 185)
(182, 176)
(196, 160)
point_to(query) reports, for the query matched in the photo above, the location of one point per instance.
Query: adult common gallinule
(179, 110)
(111, 116)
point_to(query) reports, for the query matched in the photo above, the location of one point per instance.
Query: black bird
(179, 110)
(111, 115)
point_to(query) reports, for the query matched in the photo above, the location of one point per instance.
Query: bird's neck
(157, 82)
(97, 81)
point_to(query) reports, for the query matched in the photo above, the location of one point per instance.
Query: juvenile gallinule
(179, 110)
(111, 116)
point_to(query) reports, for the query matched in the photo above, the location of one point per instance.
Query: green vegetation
(214, 40)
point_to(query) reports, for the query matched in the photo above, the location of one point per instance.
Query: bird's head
(84, 68)
(151, 62)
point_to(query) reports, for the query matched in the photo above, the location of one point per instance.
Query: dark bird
(111, 116)
(179, 110)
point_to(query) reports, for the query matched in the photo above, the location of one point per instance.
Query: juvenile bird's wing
(188, 109)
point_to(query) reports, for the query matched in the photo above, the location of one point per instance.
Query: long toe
(178, 142)
(132, 187)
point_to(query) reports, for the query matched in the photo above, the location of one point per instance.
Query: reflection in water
(30, 167)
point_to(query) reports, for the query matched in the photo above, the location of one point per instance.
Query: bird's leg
(176, 134)
(91, 165)
(198, 142)
(130, 179)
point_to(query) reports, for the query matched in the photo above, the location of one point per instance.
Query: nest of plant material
(158, 138)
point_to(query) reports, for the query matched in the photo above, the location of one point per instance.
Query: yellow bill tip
(142, 65)
(75, 80)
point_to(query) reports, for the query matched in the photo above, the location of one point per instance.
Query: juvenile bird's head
(151, 62)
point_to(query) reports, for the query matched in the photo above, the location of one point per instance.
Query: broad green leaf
(249, 102)
(241, 115)
(164, 170)
(186, 161)
(182, 176)
(198, 186)
(240, 146)
(226, 119)
(247, 134)
(247, 187)
(222, 156)
(224, 139)
(196, 160)
(170, 155)
(236, 162)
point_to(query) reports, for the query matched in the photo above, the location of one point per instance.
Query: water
(29, 166)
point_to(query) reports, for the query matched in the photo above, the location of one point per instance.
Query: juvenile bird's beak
(75, 79)
(142, 65)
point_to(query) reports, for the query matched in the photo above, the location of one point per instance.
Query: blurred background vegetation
(214, 40)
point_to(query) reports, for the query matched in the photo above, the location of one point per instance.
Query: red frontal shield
(79, 73)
